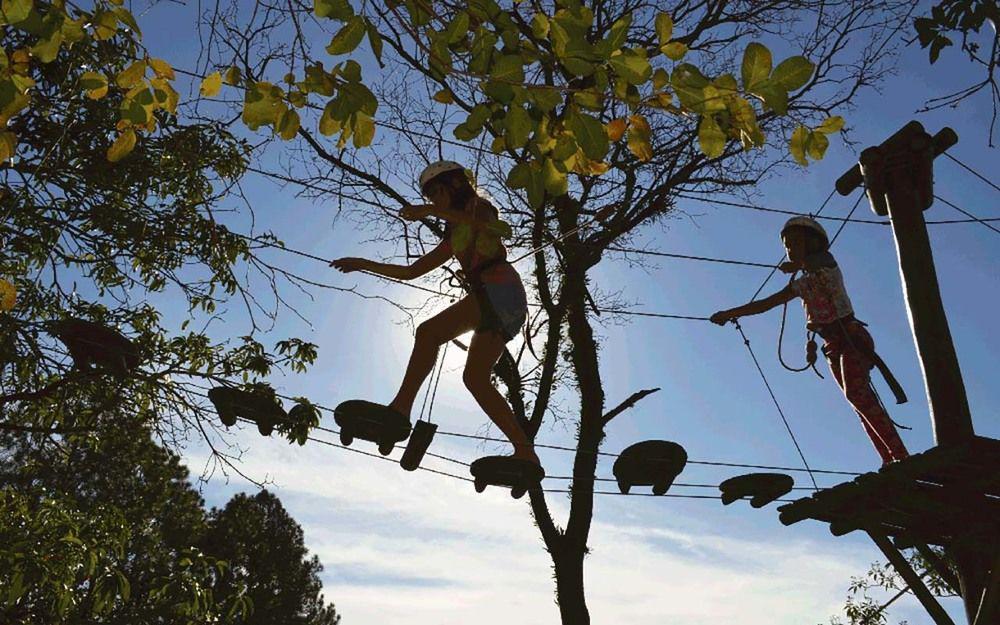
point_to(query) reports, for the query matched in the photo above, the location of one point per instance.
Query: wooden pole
(898, 176)
(912, 579)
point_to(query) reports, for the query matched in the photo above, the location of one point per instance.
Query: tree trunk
(569, 585)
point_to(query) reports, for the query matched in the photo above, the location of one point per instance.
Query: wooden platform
(929, 498)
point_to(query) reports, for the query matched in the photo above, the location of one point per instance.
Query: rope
(708, 259)
(968, 214)
(781, 412)
(972, 171)
(780, 211)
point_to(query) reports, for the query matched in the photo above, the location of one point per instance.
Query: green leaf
(711, 139)
(689, 84)
(590, 135)
(540, 26)
(375, 41)
(816, 145)
(664, 28)
(15, 11)
(287, 125)
(775, 97)
(619, 33)
(517, 126)
(260, 105)
(632, 67)
(509, 68)
(457, 28)
(756, 65)
(47, 49)
(95, 84)
(556, 182)
(349, 37)
(660, 79)
(8, 147)
(519, 176)
(328, 122)
(444, 96)
(713, 99)
(831, 124)
(797, 145)
(545, 98)
(792, 73)
(339, 10)
(675, 50)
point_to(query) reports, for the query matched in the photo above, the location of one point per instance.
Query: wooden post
(912, 579)
(898, 176)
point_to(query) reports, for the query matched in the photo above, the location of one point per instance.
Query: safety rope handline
(877, 222)
(968, 214)
(724, 261)
(439, 365)
(444, 352)
(443, 294)
(781, 412)
(972, 171)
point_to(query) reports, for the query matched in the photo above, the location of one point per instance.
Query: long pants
(847, 352)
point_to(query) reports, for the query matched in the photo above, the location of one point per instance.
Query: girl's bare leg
(448, 324)
(484, 351)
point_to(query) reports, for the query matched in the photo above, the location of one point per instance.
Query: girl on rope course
(848, 346)
(496, 307)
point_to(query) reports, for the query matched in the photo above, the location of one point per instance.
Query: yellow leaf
(444, 96)
(675, 50)
(162, 68)
(131, 75)
(165, 94)
(797, 146)
(8, 145)
(639, 135)
(211, 85)
(122, 146)
(616, 128)
(8, 295)
(96, 84)
(105, 24)
(288, 124)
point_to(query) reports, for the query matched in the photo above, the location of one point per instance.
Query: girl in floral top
(847, 344)
(495, 309)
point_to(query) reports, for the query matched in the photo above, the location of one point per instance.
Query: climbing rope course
(431, 390)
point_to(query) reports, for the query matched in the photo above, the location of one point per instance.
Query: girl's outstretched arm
(425, 264)
(754, 308)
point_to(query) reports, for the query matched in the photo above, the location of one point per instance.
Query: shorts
(503, 308)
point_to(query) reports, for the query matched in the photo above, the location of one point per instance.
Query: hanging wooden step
(649, 463)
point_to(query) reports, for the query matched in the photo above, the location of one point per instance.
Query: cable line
(781, 412)
(972, 171)
(708, 259)
(968, 214)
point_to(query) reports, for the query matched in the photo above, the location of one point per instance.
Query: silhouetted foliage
(266, 554)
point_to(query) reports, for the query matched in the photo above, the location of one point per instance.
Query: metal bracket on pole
(911, 578)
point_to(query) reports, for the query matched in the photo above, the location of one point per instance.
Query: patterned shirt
(824, 297)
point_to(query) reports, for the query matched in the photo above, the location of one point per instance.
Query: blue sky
(428, 549)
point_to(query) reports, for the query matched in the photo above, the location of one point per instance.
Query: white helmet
(436, 169)
(808, 223)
